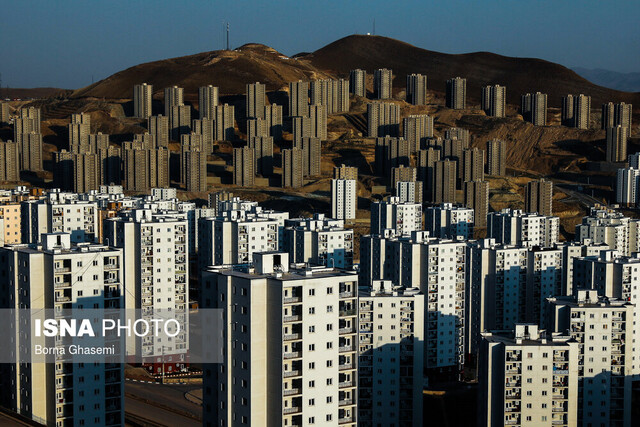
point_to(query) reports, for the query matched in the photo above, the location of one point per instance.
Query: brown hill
(230, 70)
(519, 75)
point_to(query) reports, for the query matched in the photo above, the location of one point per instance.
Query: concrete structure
(473, 165)
(318, 121)
(11, 230)
(534, 108)
(293, 168)
(193, 163)
(58, 276)
(538, 197)
(494, 100)
(4, 112)
(299, 99)
(333, 94)
(273, 117)
(79, 130)
(311, 156)
(459, 134)
(59, 213)
(383, 118)
(358, 82)
(528, 377)
(31, 151)
(614, 276)
(145, 168)
(391, 153)
(612, 228)
(576, 111)
(235, 235)
(417, 89)
(444, 183)
(9, 161)
(601, 326)
(76, 172)
(224, 118)
(627, 186)
(142, 101)
(617, 115)
(255, 99)
(179, 121)
(617, 144)
(263, 148)
(173, 97)
(416, 129)
(496, 157)
(207, 129)
(318, 241)
(438, 268)
(391, 323)
(301, 329)
(476, 197)
(383, 83)
(448, 221)
(300, 128)
(403, 218)
(244, 163)
(514, 227)
(409, 191)
(158, 127)
(155, 250)
(403, 174)
(456, 93)
(208, 97)
(344, 198)
(257, 128)
(497, 290)
(426, 161)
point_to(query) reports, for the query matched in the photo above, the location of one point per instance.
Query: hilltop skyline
(109, 41)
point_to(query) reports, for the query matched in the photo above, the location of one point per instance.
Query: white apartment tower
(528, 378)
(155, 277)
(291, 357)
(601, 326)
(344, 198)
(514, 227)
(58, 276)
(390, 356)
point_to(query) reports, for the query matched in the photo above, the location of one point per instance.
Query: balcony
(292, 410)
(347, 330)
(346, 348)
(347, 294)
(289, 300)
(293, 355)
(291, 337)
(292, 392)
(345, 384)
(289, 374)
(293, 318)
(345, 366)
(345, 420)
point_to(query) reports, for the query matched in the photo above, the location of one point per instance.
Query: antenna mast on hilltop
(228, 35)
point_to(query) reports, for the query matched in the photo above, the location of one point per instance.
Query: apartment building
(294, 361)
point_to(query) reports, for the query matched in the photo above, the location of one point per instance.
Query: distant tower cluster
(494, 100)
(416, 130)
(383, 83)
(534, 108)
(417, 89)
(333, 94)
(456, 94)
(576, 110)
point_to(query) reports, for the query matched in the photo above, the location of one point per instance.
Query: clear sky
(68, 43)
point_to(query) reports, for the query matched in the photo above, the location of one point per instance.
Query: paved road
(165, 395)
(159, 416)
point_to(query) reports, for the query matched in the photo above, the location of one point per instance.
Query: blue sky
(68, 43)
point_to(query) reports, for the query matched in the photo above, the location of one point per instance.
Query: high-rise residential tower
(358, 82)
(496, 157)
(456, 93)
(142, 101)
(538, 197)
(255, 100)
(417, 89)
(494, 100)
(383, 83)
